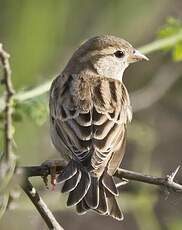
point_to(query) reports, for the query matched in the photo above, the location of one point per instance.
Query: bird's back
(89, 114)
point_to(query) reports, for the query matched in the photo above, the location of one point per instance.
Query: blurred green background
(41, 36)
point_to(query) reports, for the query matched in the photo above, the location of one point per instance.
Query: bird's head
(108, 55)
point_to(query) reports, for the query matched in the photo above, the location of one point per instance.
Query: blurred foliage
(172, 27)
(3, 203)
(175, 224)
(35, 109)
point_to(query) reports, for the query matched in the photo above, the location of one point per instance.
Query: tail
(88, 192)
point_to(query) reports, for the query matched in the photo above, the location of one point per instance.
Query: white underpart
(111, 66)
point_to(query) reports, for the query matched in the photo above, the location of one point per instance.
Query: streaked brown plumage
(89, 110)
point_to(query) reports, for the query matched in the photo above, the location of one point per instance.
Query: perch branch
(8, 110)
(40, 205)
(166, 182)
(44, 88)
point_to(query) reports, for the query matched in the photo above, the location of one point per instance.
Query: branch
(44, 88)
(8, 159)
(41, 206)
(167, 182)
(8, 110)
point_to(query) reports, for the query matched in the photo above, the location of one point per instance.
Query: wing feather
(89, 113)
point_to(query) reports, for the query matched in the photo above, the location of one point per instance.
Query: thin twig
(40, 206)
(167, 182)
(44, 88)
(8, 110)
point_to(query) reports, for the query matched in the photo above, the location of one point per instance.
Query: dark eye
(119, 54)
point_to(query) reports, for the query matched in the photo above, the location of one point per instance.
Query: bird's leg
(52, 165)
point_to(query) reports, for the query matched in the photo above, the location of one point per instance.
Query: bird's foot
(52, 165)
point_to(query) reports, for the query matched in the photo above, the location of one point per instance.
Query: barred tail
(89, 192)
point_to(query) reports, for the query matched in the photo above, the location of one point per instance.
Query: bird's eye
(119, 54)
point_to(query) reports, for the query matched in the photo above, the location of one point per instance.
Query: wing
(88, 117)
(111, 102)
(70, 119)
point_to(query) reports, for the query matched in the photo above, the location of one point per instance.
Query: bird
(89, 111)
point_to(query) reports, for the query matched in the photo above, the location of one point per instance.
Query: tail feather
(69, 171)
(112, 206)
(109, 184)
(89, 192)
(102, 207)
(71, 184)
(82, 207)
(92, 196)
(81, 189)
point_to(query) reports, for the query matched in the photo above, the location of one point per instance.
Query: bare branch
(40, 206)
(8, 110)
(167, 182)
(8, 159)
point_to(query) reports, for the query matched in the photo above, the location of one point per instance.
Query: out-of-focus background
(41, 36)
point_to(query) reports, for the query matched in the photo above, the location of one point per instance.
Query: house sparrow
(89, 111)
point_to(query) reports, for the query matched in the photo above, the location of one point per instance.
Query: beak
(137, 56)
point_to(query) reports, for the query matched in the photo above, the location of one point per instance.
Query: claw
(53, 177)
(45, 180)
(52, 165)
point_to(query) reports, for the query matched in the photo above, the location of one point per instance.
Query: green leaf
(39, 113)
(173, 26)
(177, 52)
(36, 109)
